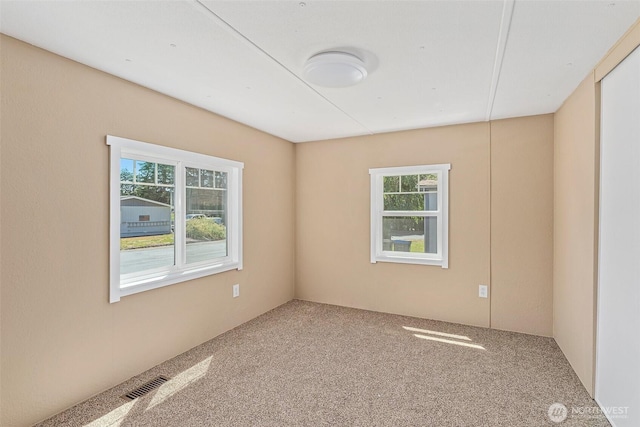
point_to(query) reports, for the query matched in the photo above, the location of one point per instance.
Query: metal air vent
(146, 388)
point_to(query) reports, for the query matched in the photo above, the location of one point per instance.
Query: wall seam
(490, 124)
(294, 189)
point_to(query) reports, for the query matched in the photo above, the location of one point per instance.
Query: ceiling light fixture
(334, 69)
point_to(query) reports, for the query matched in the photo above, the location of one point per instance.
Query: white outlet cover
(483, 291)
(236, 291)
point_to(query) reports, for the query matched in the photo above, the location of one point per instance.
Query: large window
(409, 214)
(175, 216)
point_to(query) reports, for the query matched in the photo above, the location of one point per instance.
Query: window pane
(428, 182)
(146, 232)
(145, 172)
(429, 185)
(221, 180)
(405, 202)
(206, 230)
(126, 170)
(391, 184)
(206, 178)
(409, 183)
(166, 174)
(193, 177)
(410, 234)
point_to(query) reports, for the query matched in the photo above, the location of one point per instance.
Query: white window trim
(153, 279)
(441, 258)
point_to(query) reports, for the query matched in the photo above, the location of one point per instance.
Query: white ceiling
(431, 63)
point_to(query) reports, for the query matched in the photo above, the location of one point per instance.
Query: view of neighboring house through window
(175, 216)
(409, 214)
(146, 209)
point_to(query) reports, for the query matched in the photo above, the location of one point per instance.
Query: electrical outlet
(483, 291)
(236, 291)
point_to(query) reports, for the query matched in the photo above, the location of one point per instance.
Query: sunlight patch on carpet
(113, 418)
(180, 382)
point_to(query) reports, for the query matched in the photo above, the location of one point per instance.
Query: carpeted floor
(307, 364)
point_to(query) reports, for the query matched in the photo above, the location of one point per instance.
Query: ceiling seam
(505, 25)
(253, 45)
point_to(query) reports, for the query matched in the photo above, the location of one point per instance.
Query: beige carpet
(307, 364)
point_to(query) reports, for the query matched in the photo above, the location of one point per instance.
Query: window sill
(171, 278)
(410, 260)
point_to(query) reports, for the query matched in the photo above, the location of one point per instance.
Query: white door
(617, 387)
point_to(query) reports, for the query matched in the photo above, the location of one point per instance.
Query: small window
(175, 216)
(409, 214)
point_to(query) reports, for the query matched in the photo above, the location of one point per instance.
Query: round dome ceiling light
(334, 69)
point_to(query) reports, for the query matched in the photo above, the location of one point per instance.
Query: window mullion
(411, 213)
(379, 197)
(443, 202)
(439, 227)
(179, 216)
(232, 207)
(376, 216)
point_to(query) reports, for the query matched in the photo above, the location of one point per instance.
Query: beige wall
(61, 340)
(575, 229)
(576, 185)
(332, 234)
(522, 225)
